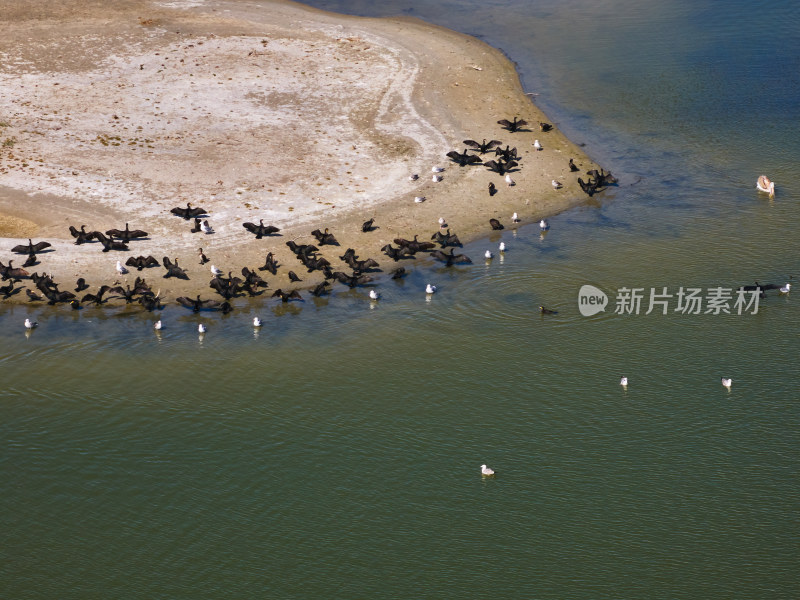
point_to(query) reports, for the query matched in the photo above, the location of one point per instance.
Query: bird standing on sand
(436, 178)
(419, 199)
(30, 324)
(413, 177)
(442, 222)
(216, 271)
(556, 184)
(437, 169)
(203, 258)
(486, 471)
(120, 269)
(492, 189)
(515, 218)
(509, 181)
(536, 145)
(205, 227)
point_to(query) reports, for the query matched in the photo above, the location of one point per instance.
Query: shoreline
(300, 117)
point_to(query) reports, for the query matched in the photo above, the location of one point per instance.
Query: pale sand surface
(116, 112)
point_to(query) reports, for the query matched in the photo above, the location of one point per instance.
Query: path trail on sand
(278, 112)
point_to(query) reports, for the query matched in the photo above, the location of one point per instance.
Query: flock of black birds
(250, 283)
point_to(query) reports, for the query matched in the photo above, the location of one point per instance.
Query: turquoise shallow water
(336, 453)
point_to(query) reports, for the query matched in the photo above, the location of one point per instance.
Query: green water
(336, 452)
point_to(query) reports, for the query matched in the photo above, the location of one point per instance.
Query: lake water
(336, 452)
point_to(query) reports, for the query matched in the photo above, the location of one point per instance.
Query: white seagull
(216, 271)
(419, 199)
(537, 145)
(436, 178)
(205, 227)
(488, 254)
(430, 289)
(442, 222)
(765, 185)
(437, 170)
(509, 181)
(726, 382)
(413, 177)
(256, 322)
(486, 471)
(623, 381)
(515, 218)
(201, 328)
(556, 184)
(157, 325)
(121, 269)
(374, 295)
(30, 324)
(786, 289)
(544, 225)
(502, 247)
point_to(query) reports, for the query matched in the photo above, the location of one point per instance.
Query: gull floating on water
(157, 325)
(30, 324)
(785, 289)
(486, 471)
(537, 145)
(515, 218)
(544, 225)
(488, 254)
(374, 295)
(256, 322)
(765, 185)
(430, 289)
(623, 381)
(201, 328)
(437, 169)
(726, 382)
(509, 181)
(120, 269)
(419, 199)
(502, 247)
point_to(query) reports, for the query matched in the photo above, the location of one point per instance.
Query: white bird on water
(201, 328)
(436, 178)
(256, 322)
(509, 181)
(515, 218)
(488, 255)
(30, 324)
(537, 145)
(623, 381)
(486, 471)
(216, 271)
(726, 382)
(786, 289)
(544, 225)
(765, 185)
(430, 289)
(374, 295)
(437, 170)
(121, 269)
(157, 325)
(419, 199)
(502, 247)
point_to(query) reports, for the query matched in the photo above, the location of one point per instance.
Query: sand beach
(114, 114)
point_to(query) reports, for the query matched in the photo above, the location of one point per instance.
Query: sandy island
(117, 112)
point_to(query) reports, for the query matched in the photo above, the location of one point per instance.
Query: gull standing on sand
(442, 222)
(515, 218)
(419, 199)
(536, 145)
(120, 269)
(413, 177)
(205, 227)
(556, 184)
(486, 471)
(726, 382)
(436, 178)
(216, 271)
(509, 181)
(437, 170)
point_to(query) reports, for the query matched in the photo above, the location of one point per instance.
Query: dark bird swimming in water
(323, 237)
(463, 159)
(496, 225)
(81, 285)
(82, 235)
(142, 262)
(399, 273)
(572, 166)
(260, 230)
(545, 126)
(126, 234)
(31, 247)
(512, 126)
(188, 212)
(547, 311)
(366, 226)
(197, 304)
(110, 243)
(286, 296)
(452, 258)
(482, 147)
